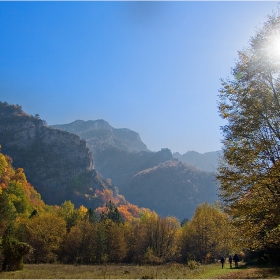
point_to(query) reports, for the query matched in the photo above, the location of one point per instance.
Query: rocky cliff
(99, 135)
(118, 153)
(57, 163)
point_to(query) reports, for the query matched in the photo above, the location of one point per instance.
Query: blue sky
(153, 67)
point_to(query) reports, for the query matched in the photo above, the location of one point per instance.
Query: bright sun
(275, 48)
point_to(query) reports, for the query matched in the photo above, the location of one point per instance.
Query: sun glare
(274, 48)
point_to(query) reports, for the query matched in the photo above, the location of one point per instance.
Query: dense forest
(38, 233)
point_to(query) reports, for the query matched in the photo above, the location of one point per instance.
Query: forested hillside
(169, 188)
(57, 163)
(172, 188)
(33, 232)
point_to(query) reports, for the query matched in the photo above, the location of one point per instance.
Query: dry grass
(169, 271)
(253, 273)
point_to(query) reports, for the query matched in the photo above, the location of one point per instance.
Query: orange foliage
(127, 211)
(9, 175)
(106, 195)
(99, 210)
(126, 215)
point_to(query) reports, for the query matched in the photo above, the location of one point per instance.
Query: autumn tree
(18, 200)
(154, 238)
(208, 235)
(114, 241)
(79, 244)
(13, 250)
(111, 212)
(68, 212)
(249, 171)
(45, 233)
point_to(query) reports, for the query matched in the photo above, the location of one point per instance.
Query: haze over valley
(62, 166)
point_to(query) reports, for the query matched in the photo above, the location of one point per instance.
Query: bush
(13, 252)
(193, 264)
(150, 258)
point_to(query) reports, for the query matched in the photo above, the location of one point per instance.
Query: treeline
(33, 232)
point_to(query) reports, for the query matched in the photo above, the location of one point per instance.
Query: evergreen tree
(111, 213)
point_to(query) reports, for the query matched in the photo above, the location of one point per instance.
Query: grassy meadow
(168, 271)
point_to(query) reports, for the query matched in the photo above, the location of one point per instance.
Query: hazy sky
(153, 67)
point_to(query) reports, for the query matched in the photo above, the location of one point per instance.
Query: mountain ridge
(205, 161)
(124, 167)
(98, 132)
(57, 163)
(177, 188)
(63, 166)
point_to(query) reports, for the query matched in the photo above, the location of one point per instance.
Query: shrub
(193, 264)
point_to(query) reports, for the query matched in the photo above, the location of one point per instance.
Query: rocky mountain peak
(100, 135)
(57, 163)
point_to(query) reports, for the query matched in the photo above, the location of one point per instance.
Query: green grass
(168, 271)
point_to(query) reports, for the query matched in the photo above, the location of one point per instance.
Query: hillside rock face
(100, 135)
(57, 163)
(118, 153)
(171, 188)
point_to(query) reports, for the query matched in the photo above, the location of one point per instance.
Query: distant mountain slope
(171, 188)
(150, 179)
(118, 153)
(57, 163)
(100, 134)
(207, 161)
(120, 165)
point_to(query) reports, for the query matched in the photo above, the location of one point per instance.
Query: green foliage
(193, 264)
(13, 252)
(250, 167)
(7, 212)
(18, 198)
(68, 212)
(91, 216)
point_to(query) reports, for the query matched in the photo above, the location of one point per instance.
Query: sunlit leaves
(208, 235)
(249, 170)
(45, 234)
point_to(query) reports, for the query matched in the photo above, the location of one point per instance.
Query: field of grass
(169, 271)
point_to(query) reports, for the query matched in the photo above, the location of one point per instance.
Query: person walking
(236, 260)
(230, 261)
(222, 261)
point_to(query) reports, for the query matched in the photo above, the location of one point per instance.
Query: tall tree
(208, 235)
(45, 233)
(111, 212)
(80, 242)
(249, 170)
